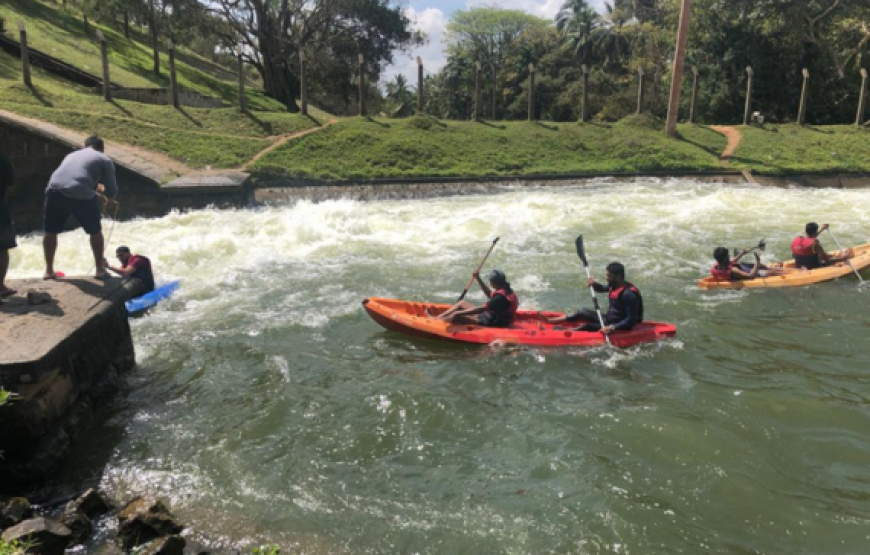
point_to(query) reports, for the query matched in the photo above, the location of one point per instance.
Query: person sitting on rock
(133, 266)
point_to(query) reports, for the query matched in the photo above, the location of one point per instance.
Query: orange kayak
(411, 318)
(795, 277)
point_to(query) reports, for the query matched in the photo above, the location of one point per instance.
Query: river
(269, 409)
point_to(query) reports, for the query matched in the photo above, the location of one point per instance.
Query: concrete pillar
(802, 110)
(243, 101)
(531, 92)
(25, 54)
(640, 91)
(362, 85)
(104, 53)
(693, 114)
(862, 99)
(477, 110)
(303, 84)
(419, 85)
(584, 104)
(677, 72)
(173, 80)
(747, 112)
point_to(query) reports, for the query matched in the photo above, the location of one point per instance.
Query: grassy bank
(362, 148)
(792, 149)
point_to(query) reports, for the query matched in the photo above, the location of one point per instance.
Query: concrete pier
(63, 347)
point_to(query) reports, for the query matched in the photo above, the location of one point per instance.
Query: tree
(331, 32)
(577, 23)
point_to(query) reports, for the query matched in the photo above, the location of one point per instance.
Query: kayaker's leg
(461, 305)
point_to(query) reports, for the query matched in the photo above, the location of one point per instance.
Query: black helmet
(497, 277)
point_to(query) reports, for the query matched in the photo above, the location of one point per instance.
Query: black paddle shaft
(479, 266)
(581, 252)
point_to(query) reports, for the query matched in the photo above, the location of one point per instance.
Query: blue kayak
(148, 300)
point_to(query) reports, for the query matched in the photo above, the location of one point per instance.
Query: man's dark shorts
(59, 207)
(7, 230)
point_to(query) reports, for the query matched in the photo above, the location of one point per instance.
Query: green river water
(269, 409)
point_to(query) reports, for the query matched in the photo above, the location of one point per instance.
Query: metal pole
(494, 89)
(104, 54)
(802, 110)
(243, 102)
(584, 106)
(747, 112)
(25, 54)
(677, 74)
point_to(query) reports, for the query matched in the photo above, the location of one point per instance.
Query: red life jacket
(617, 311)
(802, 251)
(506, 317)
(722, 275)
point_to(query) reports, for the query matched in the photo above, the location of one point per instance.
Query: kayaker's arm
(123, 272)
(597, 286)
(751, 274)
(483, 287)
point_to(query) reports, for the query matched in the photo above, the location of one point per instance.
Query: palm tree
(608, 36)
(577, 22)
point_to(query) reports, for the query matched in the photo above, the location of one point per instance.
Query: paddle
(849, 262)
(479, 266)
(761, 246)
(581, 252)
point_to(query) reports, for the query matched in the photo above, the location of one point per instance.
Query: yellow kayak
(795, 277)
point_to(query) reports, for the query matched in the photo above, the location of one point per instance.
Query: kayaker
(808, 251)
(133, 266)
(72, 191)
(727, 269)
(497, 312)
(626, 304)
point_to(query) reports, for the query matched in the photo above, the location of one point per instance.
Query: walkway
(734, 137)
(284, 139)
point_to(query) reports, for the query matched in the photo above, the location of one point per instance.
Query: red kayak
(529, 328)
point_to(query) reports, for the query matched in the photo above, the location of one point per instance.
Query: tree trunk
(280, 82)
(127, 25)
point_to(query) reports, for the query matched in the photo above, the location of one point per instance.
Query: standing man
(7, 230)
(133, 266)
(626, 304)
(72, 191)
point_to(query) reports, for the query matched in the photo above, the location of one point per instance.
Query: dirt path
(284, 139)
(734, 137)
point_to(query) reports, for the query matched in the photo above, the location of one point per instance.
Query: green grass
(361, 148)
(61, 34)
(792, 149)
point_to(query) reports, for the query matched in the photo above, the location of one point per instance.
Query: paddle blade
(60, 274)
(581, 251)
(762, 245)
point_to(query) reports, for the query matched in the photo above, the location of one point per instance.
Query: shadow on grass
(490, 124)
(265, 126)
(706, 148)
(381, 123)
(550, 127)
(188, 116)
(599, 124)
(38, 96)
(121, 109)
(314, 120)
(816, 129)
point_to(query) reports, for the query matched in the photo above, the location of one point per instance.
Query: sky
(431, 16)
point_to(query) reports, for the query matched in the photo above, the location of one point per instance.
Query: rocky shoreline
(143, 525)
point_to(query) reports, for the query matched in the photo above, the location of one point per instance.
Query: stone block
(13, 511)
(170, 545)
(144, 519)
(47, 536)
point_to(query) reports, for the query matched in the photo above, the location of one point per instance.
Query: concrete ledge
(61, 358)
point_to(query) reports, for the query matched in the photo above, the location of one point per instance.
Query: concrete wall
(162, 96)
(35, 158)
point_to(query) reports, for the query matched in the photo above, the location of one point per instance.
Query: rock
(145, 519)
(91, 503)
(196, 548)
(170, 545)
(35, 297)
(79, 524)
(13, 511)
(47, 536)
